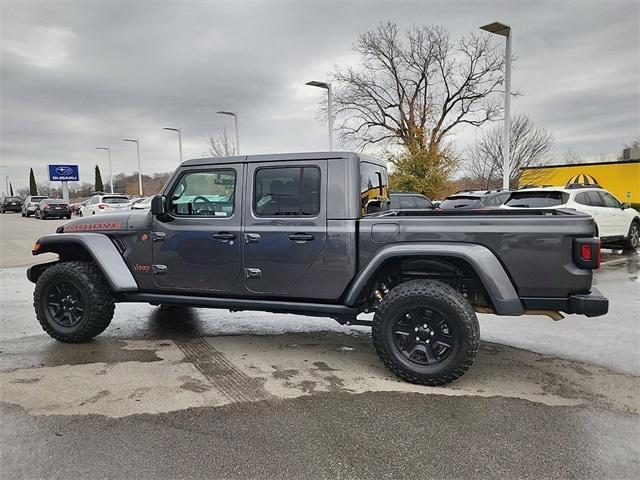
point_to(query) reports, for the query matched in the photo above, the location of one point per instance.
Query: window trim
(203, 170)
(301, 168)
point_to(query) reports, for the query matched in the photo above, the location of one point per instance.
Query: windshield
(12, 199)
(115, 200)
(54, 201)
(460, 202)
(37, 199)
(539, 199)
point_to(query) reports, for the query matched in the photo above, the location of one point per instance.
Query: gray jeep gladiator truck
(313, 234)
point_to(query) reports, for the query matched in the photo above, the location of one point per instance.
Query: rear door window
(287, 191)
(594, 199)
(539, 199)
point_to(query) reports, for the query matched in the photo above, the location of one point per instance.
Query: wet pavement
(195, 393)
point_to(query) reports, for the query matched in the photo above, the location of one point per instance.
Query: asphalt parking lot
(197, 393)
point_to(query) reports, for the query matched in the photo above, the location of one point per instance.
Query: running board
(238, 304)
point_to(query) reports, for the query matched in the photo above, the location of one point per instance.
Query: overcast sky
(76, 75)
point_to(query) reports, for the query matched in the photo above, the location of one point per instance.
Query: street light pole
(505, 31)
(6, 178)
(235, 116)
(110, 170)
(326, 86)
(179, 139)
(137, 142)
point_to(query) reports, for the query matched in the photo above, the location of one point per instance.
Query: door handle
(301, 237)
(224, 236)
(251, 237)
(253, 272)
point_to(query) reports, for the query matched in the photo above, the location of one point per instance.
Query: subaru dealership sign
(63, 173)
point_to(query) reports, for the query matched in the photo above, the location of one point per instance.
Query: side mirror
(625, 206)
(158, 205)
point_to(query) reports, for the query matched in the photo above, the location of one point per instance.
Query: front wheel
(73, 301)
(633, 238)
(426, 332)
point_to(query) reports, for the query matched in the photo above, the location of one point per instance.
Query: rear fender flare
(103, 252)
(489, 270)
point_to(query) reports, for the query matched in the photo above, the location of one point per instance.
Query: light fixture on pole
(326, 86)
(179, 139)
(498, 28)
(139, 168)
(235, 116)
(110, 170)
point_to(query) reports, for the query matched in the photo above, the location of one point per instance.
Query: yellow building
(620, 178)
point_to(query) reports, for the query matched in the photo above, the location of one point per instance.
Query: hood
(107, 222)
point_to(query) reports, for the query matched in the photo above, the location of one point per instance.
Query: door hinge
(158, 236)
(159, 269)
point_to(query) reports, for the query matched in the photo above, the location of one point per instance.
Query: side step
(238, 304)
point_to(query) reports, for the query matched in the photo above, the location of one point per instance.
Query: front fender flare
(490, 271)
(102, 250)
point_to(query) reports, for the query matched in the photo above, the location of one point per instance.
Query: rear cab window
(537, 199)
(374, 188)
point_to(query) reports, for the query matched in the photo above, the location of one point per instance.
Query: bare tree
(222, 145)
(414, 91)
(571, 157)
(530, 147)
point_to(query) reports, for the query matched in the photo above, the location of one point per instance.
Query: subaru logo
(65, 171)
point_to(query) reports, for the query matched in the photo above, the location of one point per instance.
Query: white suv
(616, 222)
(105, 203)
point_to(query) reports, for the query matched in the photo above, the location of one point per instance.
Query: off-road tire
(631, 242)
(453, 306)
(95, 291)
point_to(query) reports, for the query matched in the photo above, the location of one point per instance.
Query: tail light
(102, 206)
(587, 253)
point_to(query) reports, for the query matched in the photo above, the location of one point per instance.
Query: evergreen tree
(11, 188)
(33, 187)
(99, 187)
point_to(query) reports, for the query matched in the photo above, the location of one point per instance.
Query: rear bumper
(12, 208)
(592, 304)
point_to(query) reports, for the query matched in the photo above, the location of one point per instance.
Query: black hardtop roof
(283, 157)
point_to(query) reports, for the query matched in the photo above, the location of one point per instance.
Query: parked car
(410, 201)
(52, 207)
(75, 207)
(475, 199)
(30, 204)
(141, 203)
(10, 204)
(616, 222)
(288, 234)
(104, 203)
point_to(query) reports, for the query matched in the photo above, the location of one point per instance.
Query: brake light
(587, 253)
(101, 206)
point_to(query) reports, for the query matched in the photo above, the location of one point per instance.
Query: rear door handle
(251, 237)
(224, 236)
(301, 237)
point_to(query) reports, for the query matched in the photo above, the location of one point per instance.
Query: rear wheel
(426, 332)
(633, 238)
(73, 301)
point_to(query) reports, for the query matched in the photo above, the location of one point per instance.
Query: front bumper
(592, 304)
